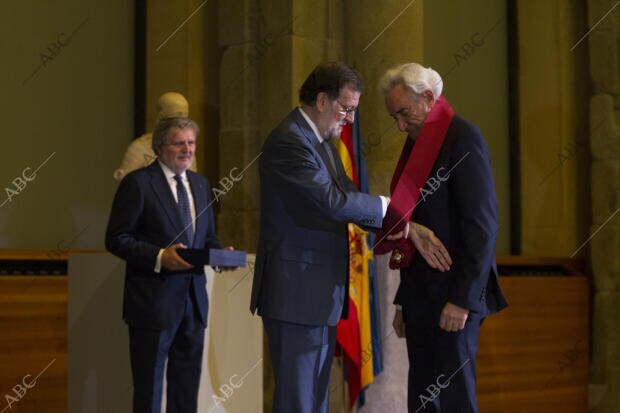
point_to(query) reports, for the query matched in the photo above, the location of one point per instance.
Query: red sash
(408, 180)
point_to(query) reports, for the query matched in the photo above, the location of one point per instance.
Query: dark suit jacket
(144, 218)
(460, 207)
(302, 263)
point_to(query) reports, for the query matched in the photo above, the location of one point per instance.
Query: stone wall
(604, 43)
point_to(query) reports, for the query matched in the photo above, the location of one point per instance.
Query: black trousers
(181, 345)
(442, 368)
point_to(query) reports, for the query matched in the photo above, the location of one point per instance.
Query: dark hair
(329, 78)
(160, 133)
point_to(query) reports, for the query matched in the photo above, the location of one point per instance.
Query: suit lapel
(162, 191)
(314, 142)
(200, 204)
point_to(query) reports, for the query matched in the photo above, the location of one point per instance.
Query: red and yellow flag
(355, 334)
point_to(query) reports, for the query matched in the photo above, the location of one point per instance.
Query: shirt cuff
(384, 204)
(157, 268)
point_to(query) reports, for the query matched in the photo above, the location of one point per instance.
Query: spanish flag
(358, 336)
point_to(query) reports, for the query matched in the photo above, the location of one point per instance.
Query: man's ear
(429, 97)
(321, 102)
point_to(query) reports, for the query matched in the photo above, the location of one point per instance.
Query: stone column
(605, 174)
(269, 48)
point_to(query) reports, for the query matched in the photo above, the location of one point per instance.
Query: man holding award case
(162, 225)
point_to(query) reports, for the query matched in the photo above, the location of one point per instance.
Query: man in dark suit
(300, 285)
(157, 210)
(443, 307)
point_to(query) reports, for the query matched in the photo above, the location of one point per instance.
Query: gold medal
(397, 256)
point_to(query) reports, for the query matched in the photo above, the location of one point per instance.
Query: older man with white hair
(443, 181)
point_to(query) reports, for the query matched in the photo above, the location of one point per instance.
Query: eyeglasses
(346, 110)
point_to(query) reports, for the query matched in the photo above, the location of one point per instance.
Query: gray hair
(163, 127)
(413, 76)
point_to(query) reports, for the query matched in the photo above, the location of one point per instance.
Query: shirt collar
(169, 173)
(312, 125)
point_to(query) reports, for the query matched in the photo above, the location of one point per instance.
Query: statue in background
(139, 152)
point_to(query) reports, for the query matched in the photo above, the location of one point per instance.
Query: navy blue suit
(166, 312)
(300, 285)
(460, 206)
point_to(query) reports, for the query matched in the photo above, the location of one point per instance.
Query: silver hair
(413, 76)
(164, 125)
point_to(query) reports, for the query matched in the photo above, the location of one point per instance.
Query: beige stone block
(256, 83)
(605, 398)
(335, 17)
(280, 16)
(606, 335)
(604, 128)
(602, 331)
(238, 166)
(277, 87)
(238, 93)
(239, 229)
(334, 51)
(605, 253)
(599, 343)
(238, 17)
(606, 281)
(605, 191)
(307, 52)
(312, 17)
(272, 54)
(604, 57)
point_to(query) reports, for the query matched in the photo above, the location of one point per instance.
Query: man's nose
(401, 124)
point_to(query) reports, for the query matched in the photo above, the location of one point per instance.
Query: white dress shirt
(173, 187)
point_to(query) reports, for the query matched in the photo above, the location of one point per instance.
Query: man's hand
(399, 324)
(171, 260)
(453, 317)
(429, 246)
